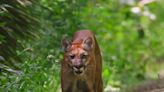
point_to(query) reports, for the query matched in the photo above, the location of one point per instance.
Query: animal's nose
(78, 66)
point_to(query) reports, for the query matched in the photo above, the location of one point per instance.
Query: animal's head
(77, 54)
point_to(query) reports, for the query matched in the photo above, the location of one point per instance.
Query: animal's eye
(72, 56)
(84, 56)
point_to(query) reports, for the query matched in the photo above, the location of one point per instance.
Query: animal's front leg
(67, 88)
(67, 84)
(90, 86)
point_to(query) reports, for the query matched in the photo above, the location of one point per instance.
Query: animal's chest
(80, 86)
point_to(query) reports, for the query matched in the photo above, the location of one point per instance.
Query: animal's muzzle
(78, 69)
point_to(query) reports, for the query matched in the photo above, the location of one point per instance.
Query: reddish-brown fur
(91, 79)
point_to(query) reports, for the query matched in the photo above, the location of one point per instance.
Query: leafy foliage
(16, 24)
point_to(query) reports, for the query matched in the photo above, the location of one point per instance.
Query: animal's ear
(66, 44)
(88, 43)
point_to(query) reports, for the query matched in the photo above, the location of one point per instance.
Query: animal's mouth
(78, 70)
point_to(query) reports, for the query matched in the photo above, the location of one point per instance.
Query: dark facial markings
(84, 56)
(80, 56)
(71, 56)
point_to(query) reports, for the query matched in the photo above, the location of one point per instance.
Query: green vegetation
(130, 36)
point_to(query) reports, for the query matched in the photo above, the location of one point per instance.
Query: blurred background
(130, 34)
